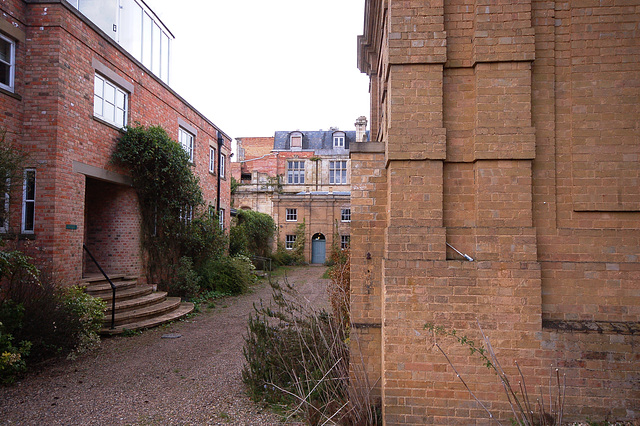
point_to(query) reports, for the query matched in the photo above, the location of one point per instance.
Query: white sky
(253, 66)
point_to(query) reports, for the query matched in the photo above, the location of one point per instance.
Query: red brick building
(501, 185)
(72, 77)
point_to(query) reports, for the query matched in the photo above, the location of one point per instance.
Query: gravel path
(150, 380)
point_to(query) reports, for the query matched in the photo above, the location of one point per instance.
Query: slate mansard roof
(314, 140)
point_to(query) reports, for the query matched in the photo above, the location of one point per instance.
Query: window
(292, 215)
(222, 164)
(186, 214)
(29, 201)
(7, 62)
(289, 242)
(345, 215)
(295, 172)
(109, 102)
(338, 140)
(134, 26)
(344, 241)
(296, 140)
(337, 172)
(4, 207)
(186, 141)
(221, 218)
(212, 159)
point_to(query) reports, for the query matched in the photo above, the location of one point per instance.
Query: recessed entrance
(318, 248)
(111, 228)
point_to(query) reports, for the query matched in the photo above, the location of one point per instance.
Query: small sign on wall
(72, 227)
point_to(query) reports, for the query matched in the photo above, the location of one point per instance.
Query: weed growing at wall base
(525, 411)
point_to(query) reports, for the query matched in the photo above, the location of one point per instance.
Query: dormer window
(296, 140)
(338, 140)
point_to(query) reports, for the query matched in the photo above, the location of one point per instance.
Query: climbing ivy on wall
(174, 222)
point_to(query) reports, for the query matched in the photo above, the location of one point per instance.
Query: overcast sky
(253, 66)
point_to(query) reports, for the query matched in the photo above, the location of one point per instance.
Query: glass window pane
(164, 69)
(103, 13)
(120, 99)
(30, 185)
(98, 86)
(5, 51)
(130, 31)
(119, 118)
(109, 111)
(155, 58)
(109, 93)
(29, 215)
(97, 106)
(5, 74)
(146, 40)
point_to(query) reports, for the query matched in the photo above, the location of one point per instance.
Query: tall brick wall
(52, 118)
(507, 130)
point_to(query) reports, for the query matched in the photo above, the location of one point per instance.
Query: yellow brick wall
(509, 130)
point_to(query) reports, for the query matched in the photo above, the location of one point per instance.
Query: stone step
(124, 293)
(104, 288)
(140, 301)
(95, 278)
(182, 310)
(144, 312)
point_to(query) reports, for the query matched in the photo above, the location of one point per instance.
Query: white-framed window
(292, 215)
(289, 242)
(295, 172)
(186, 140)
(29, 201)
(338, 172)
(338, 140)
(222, 164)
(345, 240)
(212, 159)
(295, 140)
(7, 62)
(186, 214)
(109, 101)
(221, 218)
(345, 215)
(4, 217)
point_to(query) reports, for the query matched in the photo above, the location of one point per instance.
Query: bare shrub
(525, 411)
(299, 358)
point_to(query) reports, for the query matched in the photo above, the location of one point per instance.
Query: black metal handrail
(113, 287)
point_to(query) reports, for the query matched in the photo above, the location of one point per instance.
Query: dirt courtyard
(156, 377)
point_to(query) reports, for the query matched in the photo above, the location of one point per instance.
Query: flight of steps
(137, 306)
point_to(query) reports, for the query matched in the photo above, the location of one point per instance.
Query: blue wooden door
(318, 249)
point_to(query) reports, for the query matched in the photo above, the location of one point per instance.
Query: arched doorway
(318, 248)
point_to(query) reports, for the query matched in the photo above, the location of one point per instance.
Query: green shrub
(238, 241)
(12, 357)
(227, 274)
(252, 234)
(187, 281)
(55, 320)
(85, 314)
(282, 256)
